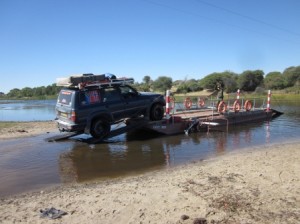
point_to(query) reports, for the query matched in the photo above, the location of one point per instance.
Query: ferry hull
(180, 123)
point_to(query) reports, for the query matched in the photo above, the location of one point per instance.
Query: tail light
(73, 116)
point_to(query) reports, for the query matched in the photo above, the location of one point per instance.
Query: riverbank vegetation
(36, 93)
(250, 81)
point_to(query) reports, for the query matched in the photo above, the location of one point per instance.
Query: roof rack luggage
(85, 80)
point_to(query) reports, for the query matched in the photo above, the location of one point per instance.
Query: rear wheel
(157, 112)
(100, 128)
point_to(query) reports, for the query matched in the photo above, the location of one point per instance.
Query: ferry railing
(211, 102)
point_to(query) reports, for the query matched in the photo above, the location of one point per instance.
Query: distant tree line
(36, 92)
(250, 80)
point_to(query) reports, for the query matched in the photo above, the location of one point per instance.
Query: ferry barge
(206, 118)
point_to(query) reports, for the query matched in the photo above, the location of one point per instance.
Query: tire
(157, 112)
(100, 128)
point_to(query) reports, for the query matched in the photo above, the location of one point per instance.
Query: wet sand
(259, 185)
(26, 129)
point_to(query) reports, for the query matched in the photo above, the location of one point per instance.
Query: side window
(111, 94)
(90, 97)
(127, 92)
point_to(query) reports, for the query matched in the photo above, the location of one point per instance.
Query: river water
(27, 110)
(33, 163)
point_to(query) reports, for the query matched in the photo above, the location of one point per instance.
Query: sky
(41, 40)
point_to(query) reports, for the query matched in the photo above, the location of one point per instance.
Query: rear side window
(65, 97)
(90, 97)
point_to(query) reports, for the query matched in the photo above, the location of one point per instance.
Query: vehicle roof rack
(86, 80)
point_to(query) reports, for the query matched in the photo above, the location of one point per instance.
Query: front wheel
(157, 112)
(100, 128)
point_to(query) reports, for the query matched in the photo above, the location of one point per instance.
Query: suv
(93, 106)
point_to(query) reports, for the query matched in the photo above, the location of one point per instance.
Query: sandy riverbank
(254, 186)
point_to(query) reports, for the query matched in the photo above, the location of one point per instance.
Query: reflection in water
(248, 136)
(221, 144)
(86, 162)
(141, 151)
(268, 133)
(236, 139)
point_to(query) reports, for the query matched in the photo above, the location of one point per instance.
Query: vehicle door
(89, 101)
(113, 102)
(134, 104)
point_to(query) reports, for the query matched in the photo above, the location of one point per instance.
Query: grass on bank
(17, 124)
(278, 96)
(6, 124)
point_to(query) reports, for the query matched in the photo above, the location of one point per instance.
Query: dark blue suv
(93, 107)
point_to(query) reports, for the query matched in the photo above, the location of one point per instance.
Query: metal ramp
(132, 124)
(63, 137)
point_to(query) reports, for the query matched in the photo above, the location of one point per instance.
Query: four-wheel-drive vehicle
(92, 103)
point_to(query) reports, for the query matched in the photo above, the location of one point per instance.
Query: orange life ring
(236, 106)
(201, 102)
(188, 103)
(222, 107)
(248, 105)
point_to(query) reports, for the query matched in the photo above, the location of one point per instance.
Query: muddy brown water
(30, 164)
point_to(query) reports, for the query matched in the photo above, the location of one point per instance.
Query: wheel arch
(94, 117)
